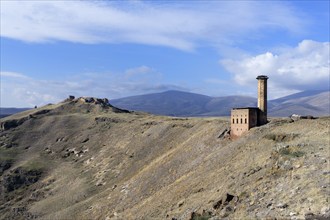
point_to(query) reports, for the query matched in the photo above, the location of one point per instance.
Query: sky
(114, 49)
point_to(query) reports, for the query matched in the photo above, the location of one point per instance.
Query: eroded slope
(87, 160)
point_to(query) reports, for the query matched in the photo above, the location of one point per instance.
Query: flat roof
(262, 77)
(245, 108)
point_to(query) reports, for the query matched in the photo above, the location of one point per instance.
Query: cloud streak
(172, 24)
(305, 67)
(13, 75)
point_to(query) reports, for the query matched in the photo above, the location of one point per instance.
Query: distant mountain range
(315, 103)
(178, 103)
(10, 111)
(186, 104)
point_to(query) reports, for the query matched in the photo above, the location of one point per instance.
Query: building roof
(262, 77)
(245, 108)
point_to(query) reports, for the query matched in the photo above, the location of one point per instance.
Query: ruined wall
(242, 119)
(253, 117)
(239, 122)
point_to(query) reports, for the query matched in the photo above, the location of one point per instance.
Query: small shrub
(284, 151)
(243, 194)
(201, 217)
(280, 137)
(34, 165)
(270, 137)
(291, 152)
(8, 153)
(297, 153)
(204, 216)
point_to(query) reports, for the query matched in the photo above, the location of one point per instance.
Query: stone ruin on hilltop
(93, 100)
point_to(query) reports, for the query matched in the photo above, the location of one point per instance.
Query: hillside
(177, 103)
(85, 159)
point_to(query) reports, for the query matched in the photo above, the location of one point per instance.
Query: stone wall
(242, 119)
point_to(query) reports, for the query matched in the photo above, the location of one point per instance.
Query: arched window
(236, 120)
(233, 121)
(241, 120)
(245, 121)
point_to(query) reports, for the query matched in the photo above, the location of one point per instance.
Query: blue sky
(113, 49)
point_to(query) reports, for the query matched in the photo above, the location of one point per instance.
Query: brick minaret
(262, 99)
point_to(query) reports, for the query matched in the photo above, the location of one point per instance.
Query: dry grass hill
(84, 159)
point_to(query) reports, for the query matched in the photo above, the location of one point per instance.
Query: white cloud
(19, 90)
(304, 67)
(141, 70)
(174, 24)
(13, 74)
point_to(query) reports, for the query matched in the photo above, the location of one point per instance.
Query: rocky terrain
(85, 159)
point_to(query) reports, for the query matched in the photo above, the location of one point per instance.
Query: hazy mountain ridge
(172, 103)
(177, 103)
(315, 103)
(9, 111)
(82, 160)
(185, 104)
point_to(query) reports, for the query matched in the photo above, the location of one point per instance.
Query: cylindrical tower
(262, 99)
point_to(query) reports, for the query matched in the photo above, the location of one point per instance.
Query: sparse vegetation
(291, 152)
(7, 158)
(141, 166)
(205, 215)
(243, 194)
(8, 153)
(281, 137)
(36, 164)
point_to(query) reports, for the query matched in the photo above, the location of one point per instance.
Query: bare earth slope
(84, 159)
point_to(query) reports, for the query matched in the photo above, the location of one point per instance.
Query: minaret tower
(262, 99)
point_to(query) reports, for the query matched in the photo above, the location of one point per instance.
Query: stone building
(243, 119)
